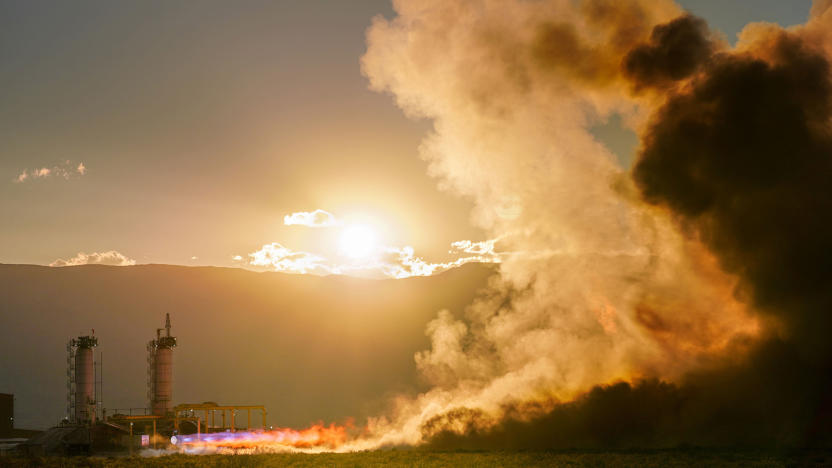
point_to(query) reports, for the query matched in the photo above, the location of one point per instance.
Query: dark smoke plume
(779, 400)
(675, 51)
(744, 160)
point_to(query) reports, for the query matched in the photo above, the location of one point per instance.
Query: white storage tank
(83, 373)
(160, 370)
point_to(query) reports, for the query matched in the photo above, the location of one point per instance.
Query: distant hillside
(307, 347)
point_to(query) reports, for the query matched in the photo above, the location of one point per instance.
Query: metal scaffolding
(190, 412)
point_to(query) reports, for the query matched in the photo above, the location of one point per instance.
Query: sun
(357, 241)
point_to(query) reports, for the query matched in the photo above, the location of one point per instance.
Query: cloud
(281, 258)
(479, 248)
(65, 170)
(111, 257)
(402, 262)
(385, 262)
(315, 219)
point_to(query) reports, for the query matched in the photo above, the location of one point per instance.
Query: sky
(645, 177)
(184, 134)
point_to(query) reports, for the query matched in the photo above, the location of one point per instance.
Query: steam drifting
(698, 285)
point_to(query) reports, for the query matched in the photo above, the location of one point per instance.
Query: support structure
(191, 412)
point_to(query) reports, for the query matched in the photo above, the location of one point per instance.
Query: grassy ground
(693, 458)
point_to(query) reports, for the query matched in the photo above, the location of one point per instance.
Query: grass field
(692, 458)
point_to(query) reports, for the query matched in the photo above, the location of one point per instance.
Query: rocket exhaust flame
(317, 437)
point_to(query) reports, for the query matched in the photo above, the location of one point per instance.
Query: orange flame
(317, 436)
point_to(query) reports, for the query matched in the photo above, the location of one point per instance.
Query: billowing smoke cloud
(698, 297)
(675, 51)
(744, 157)
(110, 257)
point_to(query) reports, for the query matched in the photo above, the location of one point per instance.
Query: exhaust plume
(315, 438)
(608, 288)
(737, 150)
(683, 302)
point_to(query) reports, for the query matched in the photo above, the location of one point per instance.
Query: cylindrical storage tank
(163, 383)
(84, 384)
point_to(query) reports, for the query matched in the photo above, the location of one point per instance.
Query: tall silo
(160, 370)
(81, 382)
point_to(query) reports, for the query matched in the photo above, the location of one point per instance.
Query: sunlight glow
(357, 242)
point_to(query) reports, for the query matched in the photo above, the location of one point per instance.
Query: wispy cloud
(284, 259)
(402, 262)
(316, 219)
(378, 261)
(387, 262)
(65, 170)
(485, 247)
(111, 257)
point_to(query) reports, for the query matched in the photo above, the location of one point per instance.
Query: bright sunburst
(357, 241)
